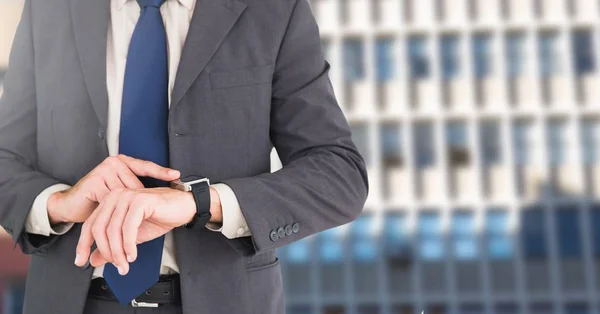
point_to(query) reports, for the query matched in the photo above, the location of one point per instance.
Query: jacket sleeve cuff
(38, 221)
(234, 224)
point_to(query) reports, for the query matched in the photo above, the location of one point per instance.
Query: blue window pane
(450, 57)
(548, 54)
(331, 246)
(430, 234)
(298, 252)
(515, 52)
(354, 67)
(482, 56)
(424, 144)
(499, 245)
(391, 141)
(595, 227)
(583, 52)
(395, 229)
(534, 233)
(569, 238)
(590, 132)
(364, 239)
(556, 146)
(490, 142)
(456, 135)
(417, 58)
(463, 236)
(522, 145)
(384, 53)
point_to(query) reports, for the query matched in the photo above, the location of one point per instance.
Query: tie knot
(150, 3)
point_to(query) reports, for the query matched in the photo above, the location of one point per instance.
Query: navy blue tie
(144, 134)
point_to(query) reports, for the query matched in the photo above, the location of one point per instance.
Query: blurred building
(480, 123)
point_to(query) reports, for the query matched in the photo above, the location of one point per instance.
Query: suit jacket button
(296, 228)
(101, 134)
(281, 232)
(289, 230)
(274, 237)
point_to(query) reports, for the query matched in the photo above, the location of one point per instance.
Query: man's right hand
(77, 204)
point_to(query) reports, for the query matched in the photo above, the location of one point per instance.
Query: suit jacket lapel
(90, 26)
(211, 22)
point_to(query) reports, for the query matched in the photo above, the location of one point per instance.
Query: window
(556, 141)
(331, 249)
(583, 52)
(549, 55)
(391, 143)
(364, 246)
(523, 143)
(450, 56)
(499, 246)
(534, 233)
(430, 236)
(424, 144)
(354, 67)
(360, 136)
(594, 223)
(456, 138)
(384, 53)
(463, 236)
(490, 142)
(515, 54)
(298, 252)
(397, 239)
(569, 238)
(590, 132)
(417, 58)
(482, 55)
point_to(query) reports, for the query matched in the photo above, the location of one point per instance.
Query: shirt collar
(189, 4)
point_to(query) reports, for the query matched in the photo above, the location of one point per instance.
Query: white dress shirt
(177, 15)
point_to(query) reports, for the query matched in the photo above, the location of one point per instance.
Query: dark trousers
(96, 306)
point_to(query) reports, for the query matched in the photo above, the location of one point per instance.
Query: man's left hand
(128, 217)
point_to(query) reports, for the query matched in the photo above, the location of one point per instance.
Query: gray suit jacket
(252, 77)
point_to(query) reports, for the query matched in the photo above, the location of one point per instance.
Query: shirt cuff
(234, 224)
(38, 221)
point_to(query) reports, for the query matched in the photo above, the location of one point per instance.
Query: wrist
(54, 204)
(216, 210)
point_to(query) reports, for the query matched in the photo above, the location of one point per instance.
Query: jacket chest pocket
(240, 78)
(249, 87)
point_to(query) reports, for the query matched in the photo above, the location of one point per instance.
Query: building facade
(480, 123)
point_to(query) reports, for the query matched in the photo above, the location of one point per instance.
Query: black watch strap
(201, 193)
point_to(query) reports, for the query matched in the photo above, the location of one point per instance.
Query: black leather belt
(166, 291)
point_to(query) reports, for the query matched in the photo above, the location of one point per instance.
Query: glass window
(456, 135)
(430, 236)
(490, 142)
(523, 144)
(384, 53)
(331, 246)
(364, 244)
(360, 136)
(583, 52)
(556, 141)
(534, 233)
(499, 245)
(417, 57)
(450, 56)
(594, 226)
(515, 54)
(354, 67)
(424, 144)
(396, 236)
(391, 144)
(549, 55)
(569, 238)
(482, 55)
(463, 235)
(298, 252)
(590, 132)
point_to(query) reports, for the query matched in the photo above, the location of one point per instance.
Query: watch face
(191, 178)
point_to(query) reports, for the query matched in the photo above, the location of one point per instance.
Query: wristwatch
(200, 189)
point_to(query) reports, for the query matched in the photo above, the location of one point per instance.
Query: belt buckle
(135, 303)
